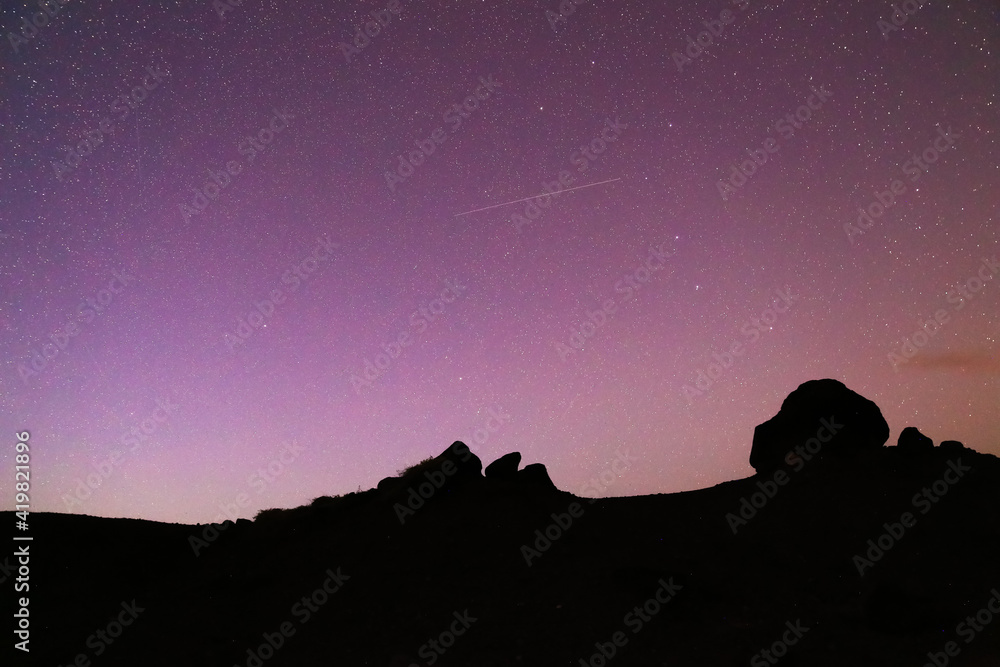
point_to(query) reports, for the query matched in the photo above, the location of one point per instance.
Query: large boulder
(822, 417)
(952, 446)
(469, 467)
(454, 468)
(912, 441)
(504, 467)
(457, 466)
(536, 476)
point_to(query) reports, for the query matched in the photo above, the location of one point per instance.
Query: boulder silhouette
(820, 417)
(469, 467)
(389, 484)
(535, 475)
(504, 467)
(454, 468)
(912, 441)
(953, 446)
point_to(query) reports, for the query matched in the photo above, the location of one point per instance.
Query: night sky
(249, 251)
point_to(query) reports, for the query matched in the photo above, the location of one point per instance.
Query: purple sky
(138, 295)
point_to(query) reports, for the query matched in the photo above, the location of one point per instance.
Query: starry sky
(272, 251)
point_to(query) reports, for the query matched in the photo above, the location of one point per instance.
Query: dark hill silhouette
(814, 561)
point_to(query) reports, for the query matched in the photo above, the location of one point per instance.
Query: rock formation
(912, 441)
(823, 416)
(504, 467)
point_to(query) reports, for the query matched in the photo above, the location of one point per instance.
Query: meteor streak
(537, 196)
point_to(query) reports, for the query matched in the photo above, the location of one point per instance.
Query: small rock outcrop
(953, 446)
(458, 473)
(454, 468)
(912, 441)
(469, 467)
(387, 484)
(504, 467)
(535, 475)
(819, 415)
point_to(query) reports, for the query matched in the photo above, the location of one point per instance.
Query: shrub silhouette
(270, 514)
(416, 468)
(325, 501)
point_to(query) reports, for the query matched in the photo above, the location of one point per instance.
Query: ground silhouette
(873, 558)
